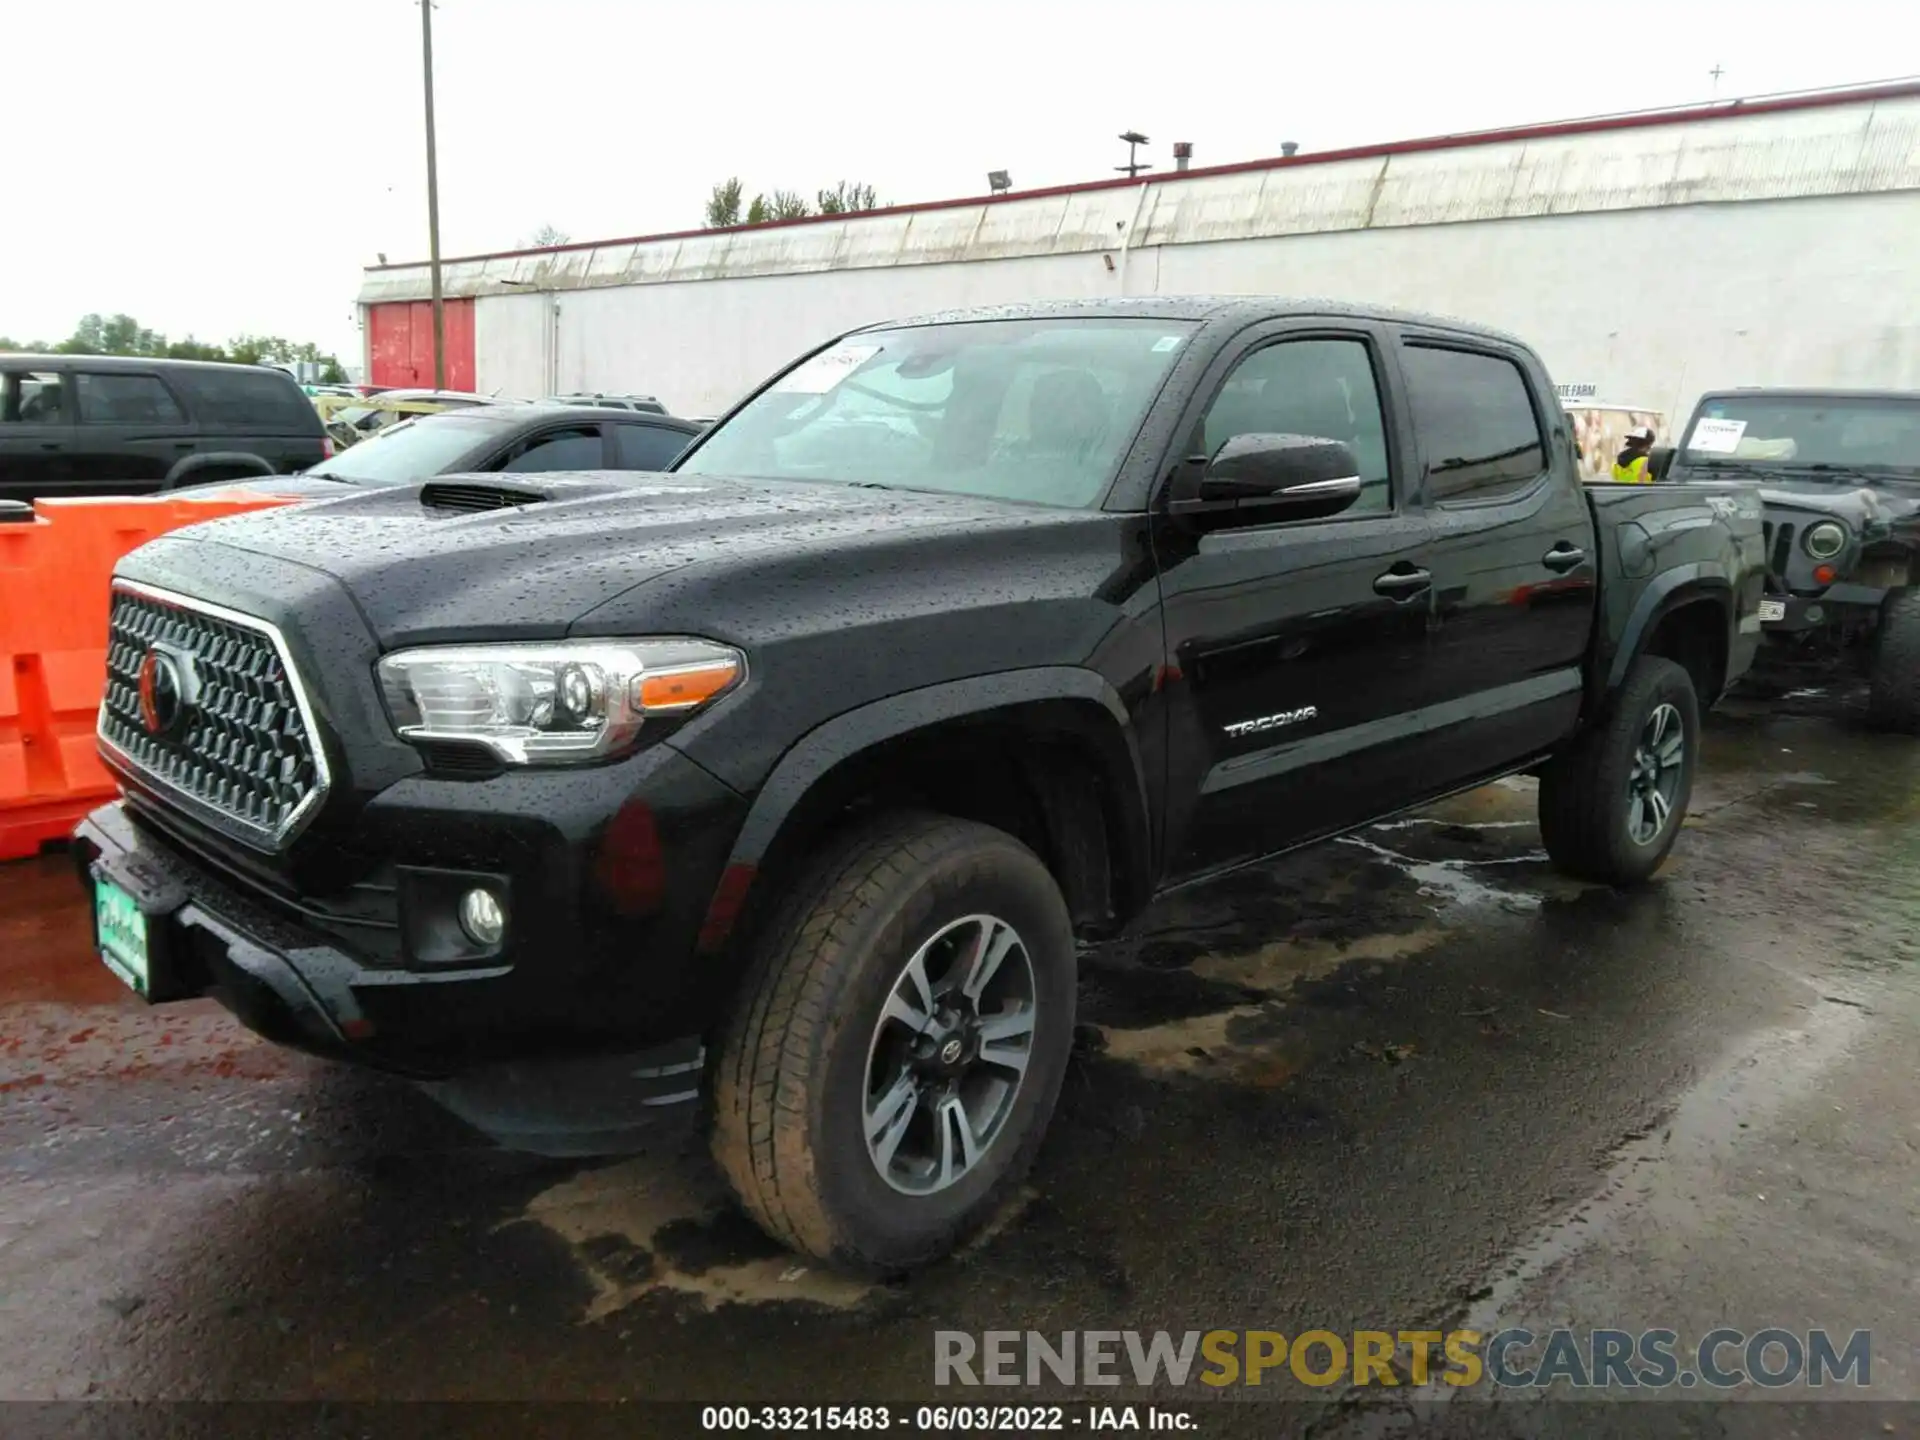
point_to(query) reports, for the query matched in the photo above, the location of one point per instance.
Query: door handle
(1402, 584)
(1563, 557)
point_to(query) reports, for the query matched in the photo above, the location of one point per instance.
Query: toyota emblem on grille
(166, 690)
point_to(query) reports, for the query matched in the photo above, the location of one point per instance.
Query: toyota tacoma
(788, 780)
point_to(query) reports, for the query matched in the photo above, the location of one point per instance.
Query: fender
(183, 472)
(815, 754)
(1663, 593)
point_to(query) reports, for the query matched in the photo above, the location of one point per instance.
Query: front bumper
(600, 956)
(1799, 613)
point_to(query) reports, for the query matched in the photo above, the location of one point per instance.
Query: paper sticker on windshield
(1166, 343)
(827, 370)
(1717, 437)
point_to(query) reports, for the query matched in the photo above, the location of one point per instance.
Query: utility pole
(433, 203)
(1716, 73)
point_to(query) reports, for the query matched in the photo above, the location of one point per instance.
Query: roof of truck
(1244, 309)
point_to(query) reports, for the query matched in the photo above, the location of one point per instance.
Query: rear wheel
(1611, 806)
(1893, 699)
(899, 1045)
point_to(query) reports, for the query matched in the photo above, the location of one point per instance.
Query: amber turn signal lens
(670, 690)
(1825, 574)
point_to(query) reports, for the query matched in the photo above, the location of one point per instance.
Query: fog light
(482, 918)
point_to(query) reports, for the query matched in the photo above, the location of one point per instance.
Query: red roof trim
(1631, 120)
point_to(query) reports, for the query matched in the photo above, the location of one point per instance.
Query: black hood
(1869, 511)
(562, 546)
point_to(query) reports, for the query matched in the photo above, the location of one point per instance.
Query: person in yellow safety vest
(1631, 466)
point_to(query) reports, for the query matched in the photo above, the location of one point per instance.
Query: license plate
(123, 933)
(1773, 609)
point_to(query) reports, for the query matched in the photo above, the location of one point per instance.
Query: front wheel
(1893, 699)
(899, 1044)
(1612, 804)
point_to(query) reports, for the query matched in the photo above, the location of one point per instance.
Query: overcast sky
(217, 166)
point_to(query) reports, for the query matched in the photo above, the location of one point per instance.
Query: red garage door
(400, 343)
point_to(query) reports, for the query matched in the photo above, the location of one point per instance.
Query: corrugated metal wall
(1651, 262)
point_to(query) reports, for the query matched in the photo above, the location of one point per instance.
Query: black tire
(1893, 696)
(791, 1086)
(1585, 815)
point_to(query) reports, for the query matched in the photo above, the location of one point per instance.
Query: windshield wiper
(1733, 467)
(1907, 472)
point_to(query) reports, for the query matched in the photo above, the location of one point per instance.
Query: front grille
(240, 753)
(1779, 545)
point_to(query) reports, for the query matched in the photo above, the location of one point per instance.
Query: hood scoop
(474, 495)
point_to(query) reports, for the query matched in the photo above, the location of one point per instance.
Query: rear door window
(109, 399)
(572, 449)
(1479, 433)
(646, 447)
(247, 400)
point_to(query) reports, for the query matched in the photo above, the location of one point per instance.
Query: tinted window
(125, 400)
(247, 400)
(1477, 425)
(566, 450)
(646, 447)
(1039, 410)
(31, 397)
(1323, 388)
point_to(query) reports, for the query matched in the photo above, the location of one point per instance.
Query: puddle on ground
(666, 1223)
(1198, 1045)
(1452, 882)
(1274, 968)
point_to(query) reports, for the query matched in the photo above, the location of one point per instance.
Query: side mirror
(1262, 477)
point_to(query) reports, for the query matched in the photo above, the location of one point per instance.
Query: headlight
(1825, 540)
(552, 703)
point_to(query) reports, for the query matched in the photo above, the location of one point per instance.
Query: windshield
(1794, 432)
(1036, 410)
(412, 450)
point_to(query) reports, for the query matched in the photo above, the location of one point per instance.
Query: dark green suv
(113, 425)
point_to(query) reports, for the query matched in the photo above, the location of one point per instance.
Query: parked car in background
(111, 425)
(498, 439)
(351, 418)
(789, 778)
(648, 403)
(1839, 473)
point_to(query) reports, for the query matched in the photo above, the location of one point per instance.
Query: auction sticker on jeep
(1717, 437)
(123, 933)
(1773, 609)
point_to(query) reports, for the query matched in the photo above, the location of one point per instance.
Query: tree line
(728, 205)
(124, 335)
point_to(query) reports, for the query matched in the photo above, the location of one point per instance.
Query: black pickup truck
(788, 779)
(1839, 474)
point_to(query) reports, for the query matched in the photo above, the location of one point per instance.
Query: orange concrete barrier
(54, 573)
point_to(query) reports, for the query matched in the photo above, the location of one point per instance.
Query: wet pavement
(1411, 1080)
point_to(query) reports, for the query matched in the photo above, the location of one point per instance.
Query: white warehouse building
(1648, 257)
